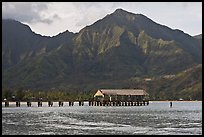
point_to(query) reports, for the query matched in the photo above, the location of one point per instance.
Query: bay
(158, 118)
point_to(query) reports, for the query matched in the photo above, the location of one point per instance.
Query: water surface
(184, 118)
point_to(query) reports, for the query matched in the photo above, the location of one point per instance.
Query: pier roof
(134, 92)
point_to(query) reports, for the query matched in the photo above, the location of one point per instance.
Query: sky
(52, 18)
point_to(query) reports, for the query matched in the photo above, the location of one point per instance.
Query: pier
(116, 103)
(102, 97)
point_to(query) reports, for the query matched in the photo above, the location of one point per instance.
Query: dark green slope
(19, 43)
(163, 57)
(186, 84)
(136, 23)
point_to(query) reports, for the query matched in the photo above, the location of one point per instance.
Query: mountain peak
(119, 10)
(128, 16)
(122, 12)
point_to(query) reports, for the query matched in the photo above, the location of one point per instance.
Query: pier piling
(39, 104)
(60, 103)
(50, 103)
(6, 103)
(17, 103)
(28, 104)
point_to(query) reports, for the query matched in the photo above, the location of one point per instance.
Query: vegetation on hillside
(118, 51)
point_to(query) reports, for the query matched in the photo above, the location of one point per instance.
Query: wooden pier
(80, 103)
(118, 103)
(102, 97)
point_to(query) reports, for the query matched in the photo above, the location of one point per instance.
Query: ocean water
(184, 118)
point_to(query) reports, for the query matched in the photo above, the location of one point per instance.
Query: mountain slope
(186, 84)
(106, 54)
(123, 31)
(198, 36)
(136, 23)
(20, 43)
(17, 39)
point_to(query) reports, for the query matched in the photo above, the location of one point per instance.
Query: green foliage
(186, 84)
(6, 94)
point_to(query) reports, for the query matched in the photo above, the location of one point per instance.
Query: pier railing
(81, 103)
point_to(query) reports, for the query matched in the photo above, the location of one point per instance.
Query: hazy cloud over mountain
(51, 18)
(30, 12)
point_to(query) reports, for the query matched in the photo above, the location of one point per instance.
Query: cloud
(30, 12)
(88, 13)
(51, 18)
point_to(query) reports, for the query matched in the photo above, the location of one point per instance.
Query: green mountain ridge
(107, 54)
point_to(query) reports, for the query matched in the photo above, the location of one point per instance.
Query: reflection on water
(184, 118)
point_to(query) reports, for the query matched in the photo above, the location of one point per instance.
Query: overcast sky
(51, 18)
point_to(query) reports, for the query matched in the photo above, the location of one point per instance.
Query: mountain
(107, 54)
(198, 36)
(19, 43)
(15, 33)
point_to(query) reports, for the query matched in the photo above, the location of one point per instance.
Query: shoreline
(87, 101)
(176, 100)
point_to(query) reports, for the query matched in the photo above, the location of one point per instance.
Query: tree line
(53, 95)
